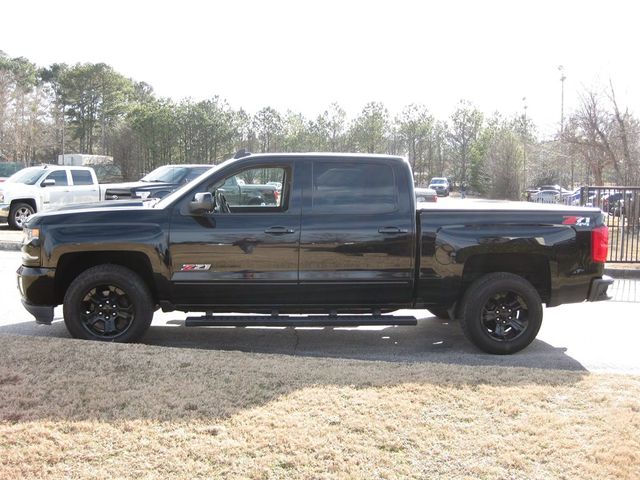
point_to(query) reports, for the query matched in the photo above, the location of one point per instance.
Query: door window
(254, 189)
(353, 187)
(81, 177)
(60, 176)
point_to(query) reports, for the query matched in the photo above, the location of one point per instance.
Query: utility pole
(63, 133)
(524, 149)
(562, 79)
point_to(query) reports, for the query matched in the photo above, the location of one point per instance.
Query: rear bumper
(598, 289)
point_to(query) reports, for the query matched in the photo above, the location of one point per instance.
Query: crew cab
(344, 244)
(45, 187)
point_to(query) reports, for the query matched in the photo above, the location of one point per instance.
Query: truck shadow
(431, 341)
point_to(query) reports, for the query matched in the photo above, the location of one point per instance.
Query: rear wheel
(108, 303)
(501, 313)
(19, 214)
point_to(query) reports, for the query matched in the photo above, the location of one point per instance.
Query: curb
(622, 273)
(8, 245)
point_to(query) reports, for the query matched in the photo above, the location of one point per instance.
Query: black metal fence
(622, 207)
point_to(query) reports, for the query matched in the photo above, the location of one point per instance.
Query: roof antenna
(242, 153)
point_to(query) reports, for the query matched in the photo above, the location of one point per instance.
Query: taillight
(599, 244)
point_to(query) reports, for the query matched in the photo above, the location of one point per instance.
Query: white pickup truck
(45, 187)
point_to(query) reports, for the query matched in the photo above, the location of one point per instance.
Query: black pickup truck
(343, 244)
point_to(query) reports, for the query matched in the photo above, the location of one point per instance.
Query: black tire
(439, 312)
(109, 303)
(501, 313)
(19, 214)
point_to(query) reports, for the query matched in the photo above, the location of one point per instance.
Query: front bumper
(37, 288)
(598, 290)
(42, 313)
(5, 209)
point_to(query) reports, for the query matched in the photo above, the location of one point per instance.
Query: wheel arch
(532, 267)
(29, 201)
(71, 265)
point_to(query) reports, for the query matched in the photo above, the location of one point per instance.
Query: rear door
(84, 189)
(356, 246)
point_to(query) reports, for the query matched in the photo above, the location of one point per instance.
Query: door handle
(392, 230)
(279, 230)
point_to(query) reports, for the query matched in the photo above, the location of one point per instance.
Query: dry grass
(71, 409)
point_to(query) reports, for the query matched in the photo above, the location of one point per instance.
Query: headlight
(143, 195)
(31, 247)
(31, 233)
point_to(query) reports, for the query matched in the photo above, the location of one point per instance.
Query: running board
(299, 321)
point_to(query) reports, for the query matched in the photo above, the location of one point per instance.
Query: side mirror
(202, 202)
(49, 182)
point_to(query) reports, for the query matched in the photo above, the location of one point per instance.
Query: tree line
(91, 108)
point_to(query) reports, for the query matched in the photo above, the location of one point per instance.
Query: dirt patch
(89, 410)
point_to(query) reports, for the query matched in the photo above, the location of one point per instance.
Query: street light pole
(562, 79)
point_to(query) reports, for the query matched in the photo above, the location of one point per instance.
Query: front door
(246, 257)
(56, 195)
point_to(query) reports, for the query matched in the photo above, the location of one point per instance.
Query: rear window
(353, 187)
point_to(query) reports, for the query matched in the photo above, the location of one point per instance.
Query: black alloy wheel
(107, 312)
(505, 316)
(109, 303)
(501, 313)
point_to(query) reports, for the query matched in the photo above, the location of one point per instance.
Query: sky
(304, 55)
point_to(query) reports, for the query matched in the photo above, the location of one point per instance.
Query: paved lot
(595, 337)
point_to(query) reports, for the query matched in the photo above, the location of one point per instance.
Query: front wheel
(108, 303)
(501, 313)
(19, 214)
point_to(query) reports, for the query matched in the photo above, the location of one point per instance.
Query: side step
(298, 321)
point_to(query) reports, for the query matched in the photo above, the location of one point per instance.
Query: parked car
(555, 187)
(546, 196)
(346, 238)
(46, 187)
(426, 195)
(571, 198)
(440, 185)
(156, 184)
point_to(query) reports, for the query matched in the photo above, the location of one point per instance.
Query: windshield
(438, 180)
(172, 197)
(27, 176)
(165, 174)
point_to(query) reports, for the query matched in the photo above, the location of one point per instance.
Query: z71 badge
(195, 267)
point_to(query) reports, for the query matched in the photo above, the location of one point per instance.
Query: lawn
(73, 409)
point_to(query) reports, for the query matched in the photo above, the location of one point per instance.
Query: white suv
(440, 185)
